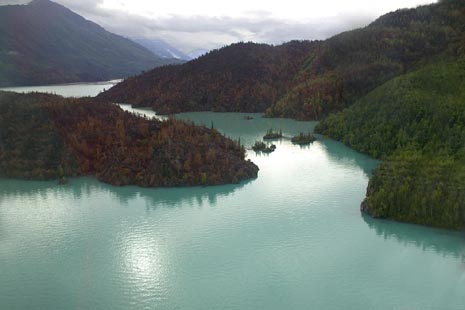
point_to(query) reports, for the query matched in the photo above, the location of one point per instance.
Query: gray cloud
(193, 32)
(6, 2)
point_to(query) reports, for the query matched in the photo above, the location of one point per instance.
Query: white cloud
(290, 9)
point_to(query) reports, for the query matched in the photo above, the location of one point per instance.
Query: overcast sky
(207, 24)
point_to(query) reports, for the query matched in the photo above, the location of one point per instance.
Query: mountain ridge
(82, 50)
(246, 76)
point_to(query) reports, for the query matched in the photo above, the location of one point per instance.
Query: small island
(303, 139)
(260, 146)
(248, 118)
(271, 135)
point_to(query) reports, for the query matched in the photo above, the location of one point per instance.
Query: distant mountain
(197, 53)
(303, 80)
(165, 50)
(161, 48)
(46, 43)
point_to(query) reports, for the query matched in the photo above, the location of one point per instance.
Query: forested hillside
(241, 77)
(45, 43)
(416, 124)
(346, 67)
(49, 137)
(303, 80)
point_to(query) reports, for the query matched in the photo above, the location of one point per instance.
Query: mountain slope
(241, 77)
(44, 43)
(360, 60)
(416, 123)
(300, 79)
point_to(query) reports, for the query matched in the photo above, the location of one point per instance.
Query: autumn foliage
(244, 77)
(87, 137)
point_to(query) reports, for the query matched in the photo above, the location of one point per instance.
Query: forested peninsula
(416, 125)
(46, 137)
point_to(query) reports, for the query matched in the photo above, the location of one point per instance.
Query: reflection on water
(441, 241)
(80, 188)
(338, 154)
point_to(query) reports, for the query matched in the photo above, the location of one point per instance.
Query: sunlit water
(67, 90)
(294, 238)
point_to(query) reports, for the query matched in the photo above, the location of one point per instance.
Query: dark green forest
(347, 66)
(416, 125)
(49, 137)
(30, 146)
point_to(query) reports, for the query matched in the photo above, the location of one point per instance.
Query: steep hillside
(416, 123)
(45, 43)
(303, 80)
(347, 66)
(46, 137)
(241, 77)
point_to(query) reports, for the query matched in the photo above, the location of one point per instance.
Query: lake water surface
(67, 90)
(293, 238)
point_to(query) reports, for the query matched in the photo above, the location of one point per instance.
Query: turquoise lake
(293, 238)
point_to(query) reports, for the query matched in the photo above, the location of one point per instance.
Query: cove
(293, 238)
